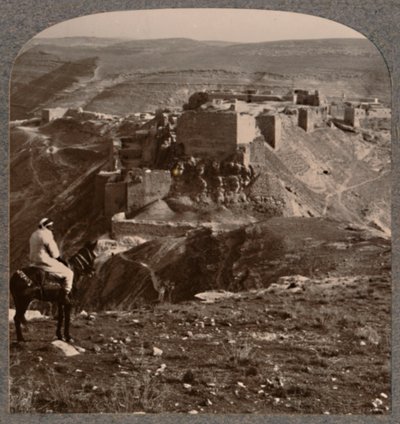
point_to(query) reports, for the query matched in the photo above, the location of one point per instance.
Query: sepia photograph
(200, 216)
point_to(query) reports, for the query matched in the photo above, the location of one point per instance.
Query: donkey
(31, 283)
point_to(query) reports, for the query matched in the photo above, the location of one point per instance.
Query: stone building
(248, 96)
(305, 97)
(138, 149)
(129, 191)
(353, 115)
(310, 118)
(271, 128)
(52, 113)
(215, 134)
(144, 186)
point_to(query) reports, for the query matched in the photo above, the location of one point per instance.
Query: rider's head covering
(45, 223)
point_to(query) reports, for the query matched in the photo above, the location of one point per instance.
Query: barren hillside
(137, 75)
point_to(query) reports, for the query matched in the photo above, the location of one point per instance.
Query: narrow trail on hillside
(343, 188)
(32, 135)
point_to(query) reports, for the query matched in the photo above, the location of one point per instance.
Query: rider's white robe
(43, 253)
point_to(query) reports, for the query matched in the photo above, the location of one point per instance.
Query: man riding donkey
(44, 254)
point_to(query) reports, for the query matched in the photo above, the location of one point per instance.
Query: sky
(236, 25)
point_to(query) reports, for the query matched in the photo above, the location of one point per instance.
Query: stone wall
(148, 229)
(146, 186)
(99, 192)
(208, 134)
(246, 128)
(306, 120)
(381, 112)
(312, 117)
(353, 115)
(304, 97)
(257, 151)
(51, 114)
(247, 97)
(115, 198)
(271, 129)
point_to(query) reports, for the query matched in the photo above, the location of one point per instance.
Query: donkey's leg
(67, 317)
(60, 321)
(20, 308)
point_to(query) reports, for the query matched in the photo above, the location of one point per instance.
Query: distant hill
(137, 75)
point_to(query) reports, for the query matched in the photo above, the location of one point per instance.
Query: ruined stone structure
(128, 192)
(247, 96)
(271, 128)
(138, 149)
(353, 115)
(312, 117)
(115, 196)
(214, 134)
(52, 113)
(379, 112)
(304, 97)
(145, 186)
(122, 227)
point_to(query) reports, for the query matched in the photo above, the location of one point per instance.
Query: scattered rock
(96, 348)
(157, 351)
(66, 348)
(377, 403)
(161, 369)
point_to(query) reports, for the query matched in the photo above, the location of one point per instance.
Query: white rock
(80, 349)
(66, 348)
(187, 386)
(193, 412)
(157, 351)
(83, 314)
(384, 395)
(29, 315)
(161, 369)
(377, 402)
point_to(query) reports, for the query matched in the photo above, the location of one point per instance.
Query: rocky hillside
(253, 256)
(115, 76)
(52, 174)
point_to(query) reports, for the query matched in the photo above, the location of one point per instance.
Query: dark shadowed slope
(251, 257)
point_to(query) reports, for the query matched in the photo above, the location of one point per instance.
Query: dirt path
(343, 188)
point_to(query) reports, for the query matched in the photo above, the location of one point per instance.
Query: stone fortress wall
(232, 130)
